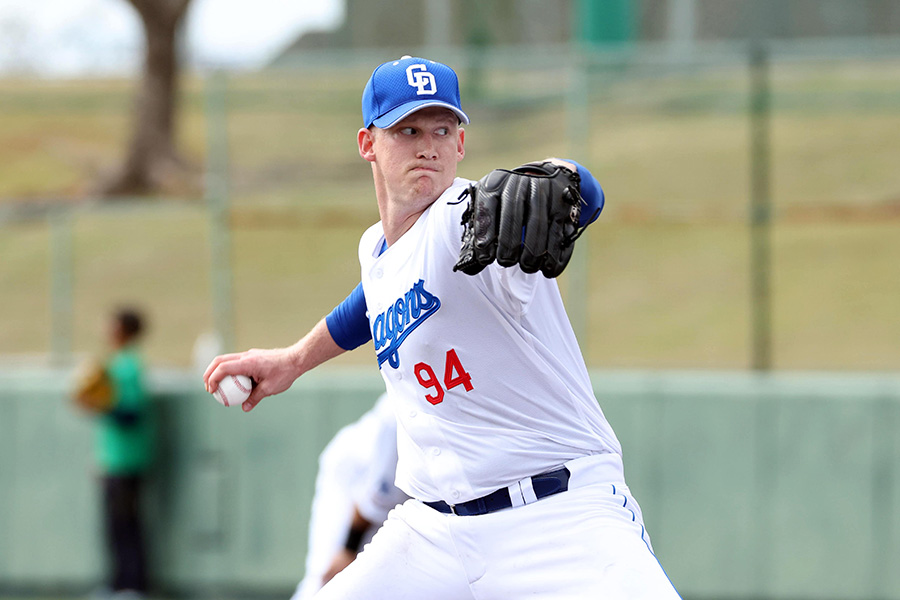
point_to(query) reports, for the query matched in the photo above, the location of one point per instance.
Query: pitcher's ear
(365, 139)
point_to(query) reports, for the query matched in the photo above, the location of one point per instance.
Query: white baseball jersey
(486, 376)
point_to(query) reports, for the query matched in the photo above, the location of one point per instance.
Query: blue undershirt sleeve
(348, 323)
(592, 193)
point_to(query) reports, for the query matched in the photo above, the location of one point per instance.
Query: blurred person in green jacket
(116, 395)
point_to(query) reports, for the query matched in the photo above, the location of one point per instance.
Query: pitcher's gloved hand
(527, 216)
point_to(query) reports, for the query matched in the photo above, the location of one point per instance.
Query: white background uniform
(490, 387)
(356, 468)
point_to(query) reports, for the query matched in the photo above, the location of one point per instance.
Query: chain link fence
(663, 280)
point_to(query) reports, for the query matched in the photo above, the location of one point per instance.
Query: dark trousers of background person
(124, 535)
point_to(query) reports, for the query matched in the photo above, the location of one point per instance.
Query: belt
(518, 494)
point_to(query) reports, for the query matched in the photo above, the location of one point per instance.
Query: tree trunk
(152, 163)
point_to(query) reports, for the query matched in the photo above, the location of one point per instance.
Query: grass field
(667, 265)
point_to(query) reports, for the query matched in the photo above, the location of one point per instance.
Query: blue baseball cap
(400, 87)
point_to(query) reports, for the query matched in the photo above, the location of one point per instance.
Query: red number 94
(454, 375)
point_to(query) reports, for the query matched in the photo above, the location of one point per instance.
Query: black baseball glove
(527, 216)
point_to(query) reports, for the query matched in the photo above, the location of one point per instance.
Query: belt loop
(515, 495)
(528, 490)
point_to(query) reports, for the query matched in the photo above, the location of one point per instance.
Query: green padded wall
(781, 486)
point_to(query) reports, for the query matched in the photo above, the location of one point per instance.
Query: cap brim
(392, 117)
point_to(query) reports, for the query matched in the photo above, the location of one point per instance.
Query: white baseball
(233, 390)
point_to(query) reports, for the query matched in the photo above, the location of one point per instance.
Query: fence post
(219, 207)
(760, 209)
(578, 116)
(61, 265)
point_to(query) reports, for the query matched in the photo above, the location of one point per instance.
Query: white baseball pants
(587, 542)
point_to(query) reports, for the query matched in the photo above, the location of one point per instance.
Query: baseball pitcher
(515, 476)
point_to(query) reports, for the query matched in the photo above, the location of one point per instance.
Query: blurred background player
(115, 394)
(354, 492)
